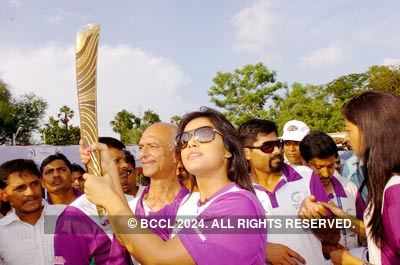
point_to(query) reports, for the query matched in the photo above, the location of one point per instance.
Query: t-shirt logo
(292, 128)
(296, 198)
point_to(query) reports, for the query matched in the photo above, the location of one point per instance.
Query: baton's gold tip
(84, 33)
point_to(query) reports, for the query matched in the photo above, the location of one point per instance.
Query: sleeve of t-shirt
(74, 238)
(227, 248)
(391, 216)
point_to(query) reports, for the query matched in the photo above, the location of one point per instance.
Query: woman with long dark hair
(210, 151)
(373, 124)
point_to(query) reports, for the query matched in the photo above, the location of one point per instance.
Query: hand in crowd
(278, 254)
(327, 249)
(334, 209)
(108, 184)
(310, 209)
(343, 257)
(84, 152)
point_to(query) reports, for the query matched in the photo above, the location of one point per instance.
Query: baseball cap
(295, 130)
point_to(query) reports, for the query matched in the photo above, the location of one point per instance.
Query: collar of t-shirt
(142, 209)
(11, 216)
(289, 174)
(318, 190)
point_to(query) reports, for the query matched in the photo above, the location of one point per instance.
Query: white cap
(295, 130)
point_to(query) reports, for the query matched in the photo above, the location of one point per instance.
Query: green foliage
(244, 93)
(59, 131)
(385, 78)
(176, 119)
(347, 86)
(27, 115)
(131, 127)
(310, 104)
(19, 117)
(253, 92)
(123, 123)
(6, 110)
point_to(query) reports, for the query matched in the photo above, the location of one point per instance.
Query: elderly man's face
(157, 151)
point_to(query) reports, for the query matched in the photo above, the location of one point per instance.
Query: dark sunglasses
(268, 147)
(204, 134)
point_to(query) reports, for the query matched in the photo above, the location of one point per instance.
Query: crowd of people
(207, 171)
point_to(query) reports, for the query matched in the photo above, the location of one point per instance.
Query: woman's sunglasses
(268, 146)
(204, 134)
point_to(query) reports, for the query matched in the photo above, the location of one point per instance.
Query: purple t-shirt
(80, 235)
(227, 248)
(168, 211)
(318, 190)
(390, 251)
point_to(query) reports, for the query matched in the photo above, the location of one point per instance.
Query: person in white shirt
(281, 189)
(293, 132)
(26, 232)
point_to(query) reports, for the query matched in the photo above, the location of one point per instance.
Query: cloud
(323, 57)
(254, 27)
(391, 61)
(128, 78)
(15, 3)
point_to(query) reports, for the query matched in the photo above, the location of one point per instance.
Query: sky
(162, 55)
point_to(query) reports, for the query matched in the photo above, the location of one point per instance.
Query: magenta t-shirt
(227, 248)
(81, 236)
(167, 212)
(390, 252)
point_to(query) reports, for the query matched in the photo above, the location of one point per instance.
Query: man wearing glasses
(293, 132)
(281, 189)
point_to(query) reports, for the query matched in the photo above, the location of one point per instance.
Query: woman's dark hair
(237, 165)
(318, 145)
(377, 116)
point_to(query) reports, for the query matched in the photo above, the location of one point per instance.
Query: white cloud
(391, 61)
(323, 57)
(15, 3)
(129, 78)
(254, 27)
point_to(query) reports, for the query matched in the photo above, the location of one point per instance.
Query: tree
(176, 119)
(19, 118)
(59, 131)
(245, 93)
(384, 78)
(311, 105)
(6, 110)
(380, 78)
(131, 127)
(149, 118)
(345, 87)
(123, 122)
(65, 115)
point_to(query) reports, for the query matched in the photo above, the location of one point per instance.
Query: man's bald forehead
(162, 130)
(163, 126)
